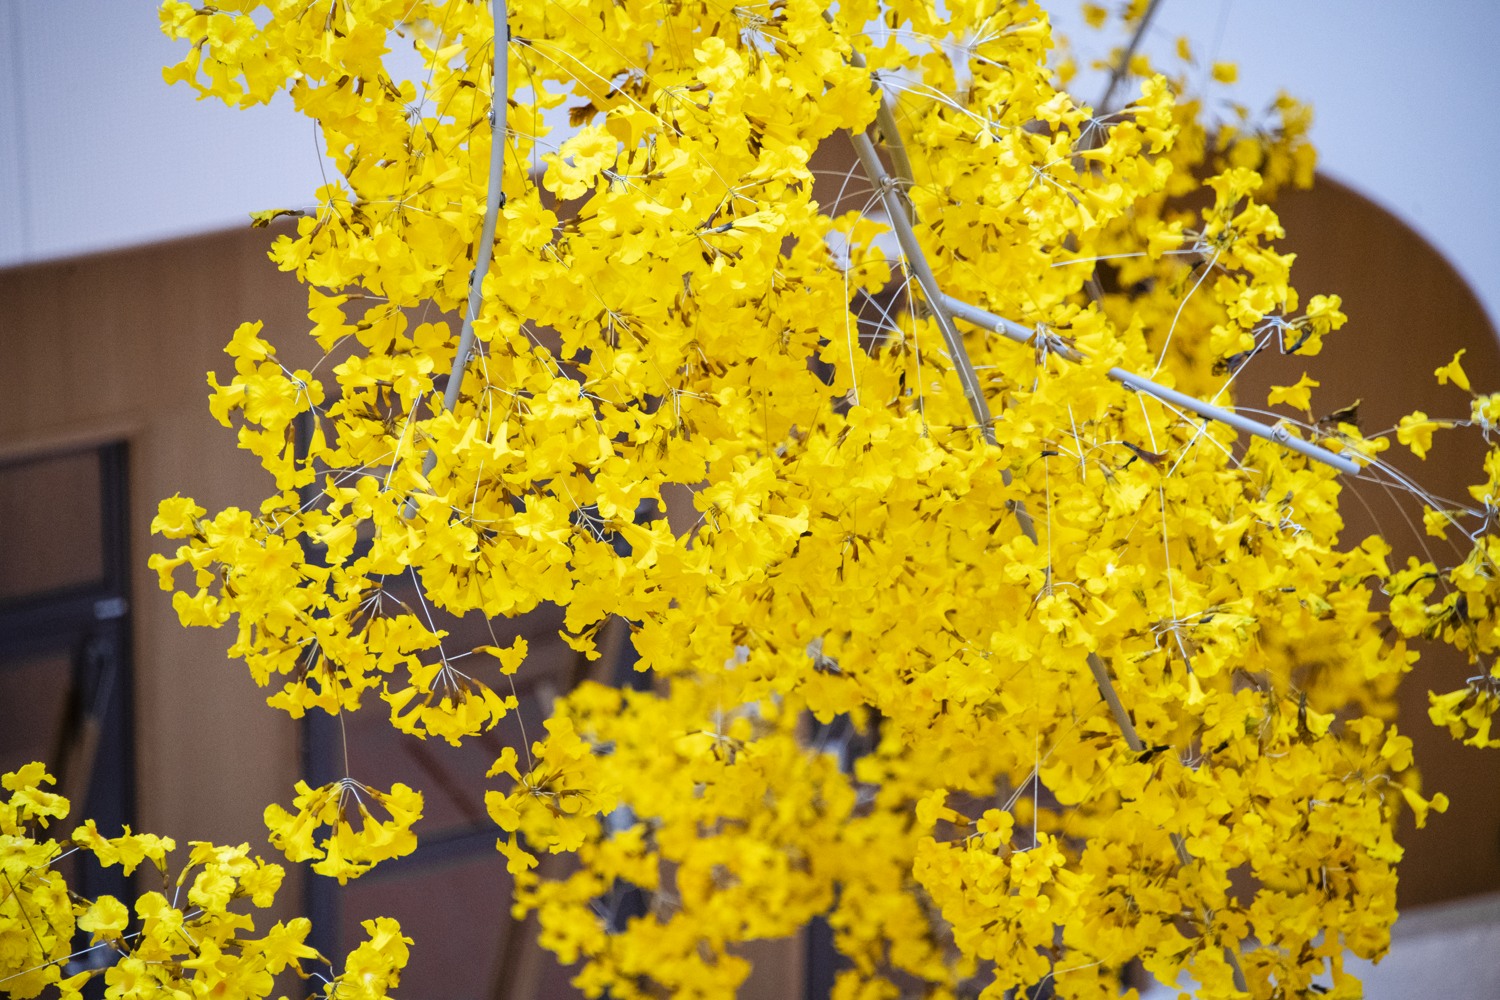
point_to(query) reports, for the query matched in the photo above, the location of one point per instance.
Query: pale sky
(98, 153)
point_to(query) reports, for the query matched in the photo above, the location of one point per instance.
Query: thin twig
(916, 260)
(902, 214)
(885, 118)
(941, 306)
(1117, 73)
(1112, 699)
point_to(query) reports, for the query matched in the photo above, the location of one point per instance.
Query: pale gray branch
(494, 199)
(916, 262)
(1130, 380)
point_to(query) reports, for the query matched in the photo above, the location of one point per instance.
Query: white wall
(95, 152)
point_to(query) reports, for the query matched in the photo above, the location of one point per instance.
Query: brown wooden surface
(38, 558)
(1409, 311)
(115, 347)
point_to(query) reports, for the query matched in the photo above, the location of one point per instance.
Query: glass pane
(33, 699)
(50, 525)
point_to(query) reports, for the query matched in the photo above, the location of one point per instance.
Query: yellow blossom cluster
(346, 853)
(190, 938)
(1014, 671)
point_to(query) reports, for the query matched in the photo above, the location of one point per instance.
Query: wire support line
(1271, 432)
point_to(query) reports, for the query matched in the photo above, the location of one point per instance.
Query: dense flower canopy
(1011, 671)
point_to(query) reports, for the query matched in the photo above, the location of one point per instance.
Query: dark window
(65, 640)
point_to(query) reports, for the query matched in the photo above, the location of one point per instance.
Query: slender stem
(1280, 435)
(1112, 699)
(1133, 740)
(902, 214)
(1117, 73)
(1093, 137)
(885, 117)
(494, 200)
(916, 260)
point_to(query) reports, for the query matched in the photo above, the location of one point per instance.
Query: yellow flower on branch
(1454, 372)
(439, 700)
(693, 401)
(1415, 431)
(356, 840)
(1299, 395)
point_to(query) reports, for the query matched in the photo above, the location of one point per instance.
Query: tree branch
(493, 202)
(885, 118)
(1117, 73)
(1280, 435)
(944, 308)
(1112, 698)
(916, 261)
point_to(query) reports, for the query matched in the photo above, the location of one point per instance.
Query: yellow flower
(1415, 431)
(105, 918)
(177, 517)
(1454, 372)
(1299, 395)
(510, 657)
(693, 410)
(346, 852)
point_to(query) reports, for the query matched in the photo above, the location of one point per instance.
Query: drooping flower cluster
(346, 852)
(190, 938)
(1011, 672)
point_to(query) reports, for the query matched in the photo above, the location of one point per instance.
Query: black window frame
(91, 623)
